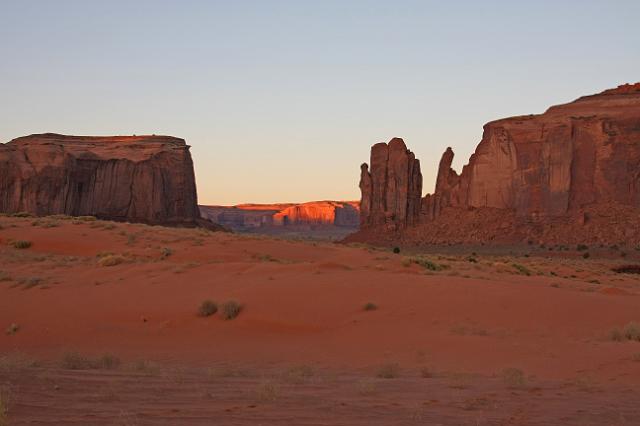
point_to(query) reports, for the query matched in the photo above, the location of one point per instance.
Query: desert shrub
(4, 408)
(207, 308)
(4, 276)
(21, 214)
(165, 252)
(631, 331)
(299, 374)
(586, 255)
(426, 373)
(396, 250)
(389, 370)
(582, 247)
(231, 309)
(627, 269)
(268, 391)
(427, 264)
(107, 362)
(30, 282)
(12, 329)
(21, 244)
(523, 270)
(111, 260)
(513, 377)
(471, 259)
(370, 306)
(75, 361)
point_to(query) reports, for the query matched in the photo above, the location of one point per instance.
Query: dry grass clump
(389, 370)
(370, 306)
(4, 276)
(631, 331)
(299, 374)
(76, 361)
(231, 309)
(523, 270)
(12, 329)
(20, 244)
(207, 308)
(427, 264)
(268, 391)
(513, 377)
(627, 269)
(111, 260)
(4, 407)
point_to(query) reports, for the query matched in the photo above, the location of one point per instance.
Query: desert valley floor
(102, 328)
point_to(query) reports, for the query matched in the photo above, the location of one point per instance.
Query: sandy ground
(519, 338)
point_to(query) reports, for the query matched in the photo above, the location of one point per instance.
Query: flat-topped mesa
(131, 178)
(391, 188)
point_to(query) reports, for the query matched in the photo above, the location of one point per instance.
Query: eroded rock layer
(134, 178)
(533, 176)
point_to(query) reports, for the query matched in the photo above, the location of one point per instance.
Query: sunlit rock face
(391, 187)
(537, 169)
(133, 178)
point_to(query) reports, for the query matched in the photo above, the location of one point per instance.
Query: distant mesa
(340, 216)
(569, 175)
(146, 179)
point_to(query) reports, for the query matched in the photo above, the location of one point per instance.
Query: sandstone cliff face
(536, 176)
(316, 213)
(391, 188)
(574, 155)
(135, 178)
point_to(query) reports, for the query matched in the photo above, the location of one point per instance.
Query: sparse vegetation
(4, 276)
(108, 362)
(111, 260)
(207, 308)
(513, 377)
(231, 309)
(426, 373)
(4, 408)
(165, 252)
(582, 247)
(299, 374)
(75, 361)
(631, 331)
(522, 270)
(12, 329)
(87, 218)
(396, 250)
(388, 371)
(627, 269)
(20, 244)
(427, 264)
(586, 255)
(370, 306)
(268, 391)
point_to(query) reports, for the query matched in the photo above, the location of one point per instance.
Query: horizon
(281, 102)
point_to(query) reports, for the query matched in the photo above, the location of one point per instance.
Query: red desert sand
(103, 327)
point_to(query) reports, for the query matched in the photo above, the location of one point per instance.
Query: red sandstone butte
(133, 178)
(569, 174)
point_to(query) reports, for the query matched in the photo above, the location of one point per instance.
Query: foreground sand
(488, 339)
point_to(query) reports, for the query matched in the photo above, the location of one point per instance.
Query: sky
(281, 100)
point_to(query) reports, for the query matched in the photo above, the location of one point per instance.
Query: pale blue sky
(281, 100)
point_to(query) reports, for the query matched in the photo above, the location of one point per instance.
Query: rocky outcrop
(536, 175)
(315, 214)
(391, 187)
(131, 178)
